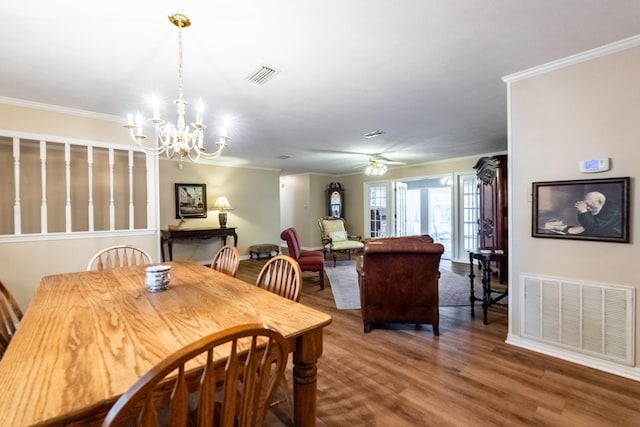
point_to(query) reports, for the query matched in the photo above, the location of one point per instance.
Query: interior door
(468, 220)
(376, 216)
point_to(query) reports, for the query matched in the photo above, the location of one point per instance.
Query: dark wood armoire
(492, 223)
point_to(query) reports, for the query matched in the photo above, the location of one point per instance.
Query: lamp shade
(222, 203)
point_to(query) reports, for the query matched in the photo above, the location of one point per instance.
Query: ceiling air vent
(373, 134)
(262, 74)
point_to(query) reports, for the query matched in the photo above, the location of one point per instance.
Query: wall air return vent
(262, 75)
(593, 319)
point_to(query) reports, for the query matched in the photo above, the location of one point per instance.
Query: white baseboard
(630, 372)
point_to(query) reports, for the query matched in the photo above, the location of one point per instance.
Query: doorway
(444, 206)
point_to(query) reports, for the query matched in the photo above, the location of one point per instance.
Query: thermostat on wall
(594, 165)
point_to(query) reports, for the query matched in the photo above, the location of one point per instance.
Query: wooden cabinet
(492, 223)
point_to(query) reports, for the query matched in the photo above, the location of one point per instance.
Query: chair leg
(322, 279)
(436, 331)
(367, 328)
(283, 389)
(334, 258)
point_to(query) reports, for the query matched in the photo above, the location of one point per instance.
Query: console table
(168, 236)
(485, 257)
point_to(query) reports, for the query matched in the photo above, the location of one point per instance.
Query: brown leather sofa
(398, 279)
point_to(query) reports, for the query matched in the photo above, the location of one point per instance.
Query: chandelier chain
(180, 59)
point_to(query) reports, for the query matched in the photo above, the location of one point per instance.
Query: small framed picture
(586, 209)
(191, 201)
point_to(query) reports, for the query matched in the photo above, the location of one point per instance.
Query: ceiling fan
(378, 165)
(376, 161)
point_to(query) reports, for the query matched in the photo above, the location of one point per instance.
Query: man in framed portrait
(597, 217)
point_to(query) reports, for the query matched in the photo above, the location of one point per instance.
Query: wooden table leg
(472, 296)
(305, 356)
(486, 289)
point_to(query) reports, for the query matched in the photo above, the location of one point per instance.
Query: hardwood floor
(400, 376)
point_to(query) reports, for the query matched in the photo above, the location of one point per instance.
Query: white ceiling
(426, 72)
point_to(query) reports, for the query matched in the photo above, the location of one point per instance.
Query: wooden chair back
(227, 260)
(282, 276)
(118, 256)
(234, 391)
(10, 316)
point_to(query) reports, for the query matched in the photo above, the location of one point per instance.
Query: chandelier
(375, 168)
(180, 139)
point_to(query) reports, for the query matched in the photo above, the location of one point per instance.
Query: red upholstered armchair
(308, 260)
(398, 279)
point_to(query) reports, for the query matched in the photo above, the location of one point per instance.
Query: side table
(485, 257)
(168, 236)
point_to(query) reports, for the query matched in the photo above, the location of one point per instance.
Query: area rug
(453, 288)
(344, 284)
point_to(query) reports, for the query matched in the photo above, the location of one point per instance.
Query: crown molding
(58, 109)
(588, 55)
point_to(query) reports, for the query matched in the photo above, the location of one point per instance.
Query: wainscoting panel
(595, 319)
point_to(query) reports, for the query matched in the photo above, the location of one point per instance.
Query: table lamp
(222, 203)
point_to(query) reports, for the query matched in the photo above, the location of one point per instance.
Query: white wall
(253, 194)
(559, 116)
(302, 204)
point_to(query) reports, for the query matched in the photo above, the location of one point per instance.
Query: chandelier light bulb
(200, 111)
(224, 128)
(156, 107)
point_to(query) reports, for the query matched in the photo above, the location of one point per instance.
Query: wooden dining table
(86, 337)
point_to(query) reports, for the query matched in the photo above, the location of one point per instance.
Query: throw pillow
(332, 225)
(338, 236)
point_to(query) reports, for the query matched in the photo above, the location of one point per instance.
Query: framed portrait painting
(191, 201)
(586, 209)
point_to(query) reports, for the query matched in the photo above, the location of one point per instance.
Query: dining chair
(227, 260)
(118, 256)
(233, 391)
(282, 276)
(10, 316)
